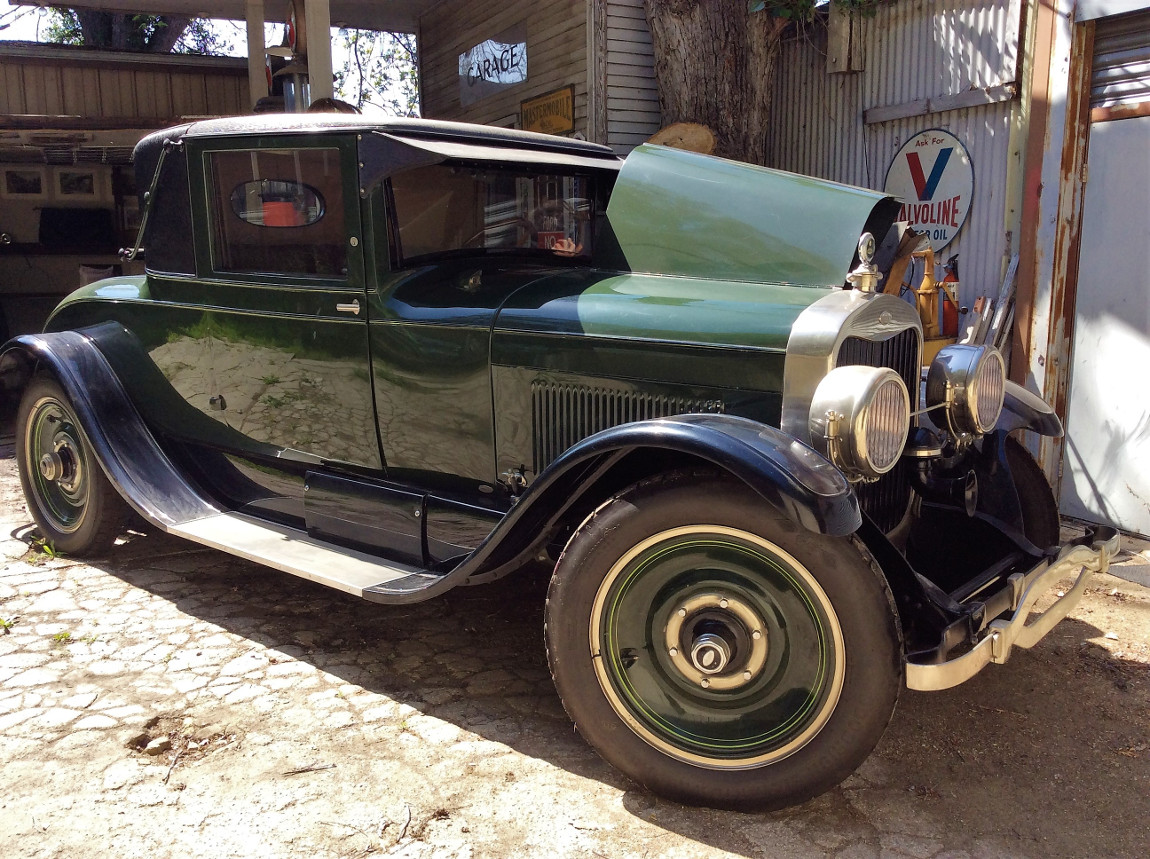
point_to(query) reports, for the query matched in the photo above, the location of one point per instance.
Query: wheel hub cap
(716, 641)
(51, 466)
(710, 653)
(716, 647)
(56, 464)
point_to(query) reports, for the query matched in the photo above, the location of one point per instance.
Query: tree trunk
(165, 38)
(121, 31)
(714, 64)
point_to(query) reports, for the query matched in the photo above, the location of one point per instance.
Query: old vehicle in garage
(399, 357)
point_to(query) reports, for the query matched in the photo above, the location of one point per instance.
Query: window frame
(547, 258)
(203, 204)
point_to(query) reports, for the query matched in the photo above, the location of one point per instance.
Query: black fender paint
(790, 477)
(125, 448)
(1024, 410)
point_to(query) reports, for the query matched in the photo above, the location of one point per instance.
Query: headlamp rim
(850, 396)
(953, 383)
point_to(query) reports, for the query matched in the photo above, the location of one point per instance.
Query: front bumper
(1008, 632)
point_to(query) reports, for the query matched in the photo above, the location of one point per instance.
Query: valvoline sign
(933, 177)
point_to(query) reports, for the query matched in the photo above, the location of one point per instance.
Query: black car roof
(317, 123)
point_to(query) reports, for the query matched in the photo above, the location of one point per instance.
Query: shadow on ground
(1044, 756)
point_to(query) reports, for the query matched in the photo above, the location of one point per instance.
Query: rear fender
(123, 445)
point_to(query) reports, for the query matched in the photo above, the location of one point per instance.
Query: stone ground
(174, 701)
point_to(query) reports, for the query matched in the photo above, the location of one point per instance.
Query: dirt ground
(174, 701)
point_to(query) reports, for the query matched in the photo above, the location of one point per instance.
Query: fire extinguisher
(950, 298)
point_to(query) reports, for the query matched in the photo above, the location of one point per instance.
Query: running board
(293, 551)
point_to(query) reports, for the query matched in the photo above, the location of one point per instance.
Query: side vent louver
(564, 414)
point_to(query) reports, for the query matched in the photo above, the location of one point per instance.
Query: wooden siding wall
(556, 56)
(633, 112)
(115, 91)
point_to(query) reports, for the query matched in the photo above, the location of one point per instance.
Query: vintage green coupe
(397, 357)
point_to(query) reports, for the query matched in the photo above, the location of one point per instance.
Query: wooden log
(686, 135)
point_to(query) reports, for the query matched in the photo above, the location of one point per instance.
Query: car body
(398, 357)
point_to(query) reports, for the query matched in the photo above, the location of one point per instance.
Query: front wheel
(75, 507)
(716, 652)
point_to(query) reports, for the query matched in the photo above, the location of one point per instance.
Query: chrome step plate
(293, 551)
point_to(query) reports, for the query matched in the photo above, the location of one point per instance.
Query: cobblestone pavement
(174, 701)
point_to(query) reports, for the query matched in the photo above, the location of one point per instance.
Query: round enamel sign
(934, 178)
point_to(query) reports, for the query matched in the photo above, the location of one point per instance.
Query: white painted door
(1106, 458)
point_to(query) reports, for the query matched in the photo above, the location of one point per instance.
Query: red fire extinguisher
(950, 298)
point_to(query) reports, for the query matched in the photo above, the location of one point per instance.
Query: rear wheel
(75, 507)
(716, 652)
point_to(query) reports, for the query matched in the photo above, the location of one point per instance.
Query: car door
(463, 238)
(287, 323)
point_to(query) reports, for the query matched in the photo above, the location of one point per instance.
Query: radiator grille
(563, 415)
(900, 353)
(885, 499)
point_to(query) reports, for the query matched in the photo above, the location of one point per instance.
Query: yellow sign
(551, 113)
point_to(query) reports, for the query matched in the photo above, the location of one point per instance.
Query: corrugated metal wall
(913, 50)
(62, 82)
(1121, 61)
(556, 56)
(633, 112)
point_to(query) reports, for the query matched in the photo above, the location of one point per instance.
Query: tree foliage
(123, 31)
(379, 70)
(804, 10)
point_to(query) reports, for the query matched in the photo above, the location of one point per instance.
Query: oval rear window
(277, 203)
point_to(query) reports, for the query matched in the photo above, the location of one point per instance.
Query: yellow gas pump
(926, 299)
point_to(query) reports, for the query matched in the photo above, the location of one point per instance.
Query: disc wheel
(75, 507)
(715, 652)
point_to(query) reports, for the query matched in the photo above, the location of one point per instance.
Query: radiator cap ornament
(866, 277)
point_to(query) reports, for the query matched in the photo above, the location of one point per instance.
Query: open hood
(681, 213)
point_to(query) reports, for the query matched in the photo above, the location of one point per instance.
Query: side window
(278, 211)
(445, 208)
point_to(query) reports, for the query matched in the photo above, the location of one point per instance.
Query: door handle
(351, 307)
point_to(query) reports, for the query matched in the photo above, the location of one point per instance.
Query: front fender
(1024, 410)
(790, 476)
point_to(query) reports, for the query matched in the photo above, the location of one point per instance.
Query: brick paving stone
(95, 723)
(31, 678)
(81, 700)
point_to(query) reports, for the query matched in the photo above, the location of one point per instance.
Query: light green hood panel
(688, 310)
(681, 213)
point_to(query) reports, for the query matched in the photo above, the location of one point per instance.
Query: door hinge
(515, 479)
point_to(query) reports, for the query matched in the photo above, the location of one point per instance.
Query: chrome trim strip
(1003, 635)
(818, 333)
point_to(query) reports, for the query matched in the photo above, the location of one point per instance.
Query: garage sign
(934, 178)
(493, 65)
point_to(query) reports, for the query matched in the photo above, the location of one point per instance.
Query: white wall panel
(633, 112)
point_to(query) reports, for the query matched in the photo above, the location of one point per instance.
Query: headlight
(859, 420)
(969, 382)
